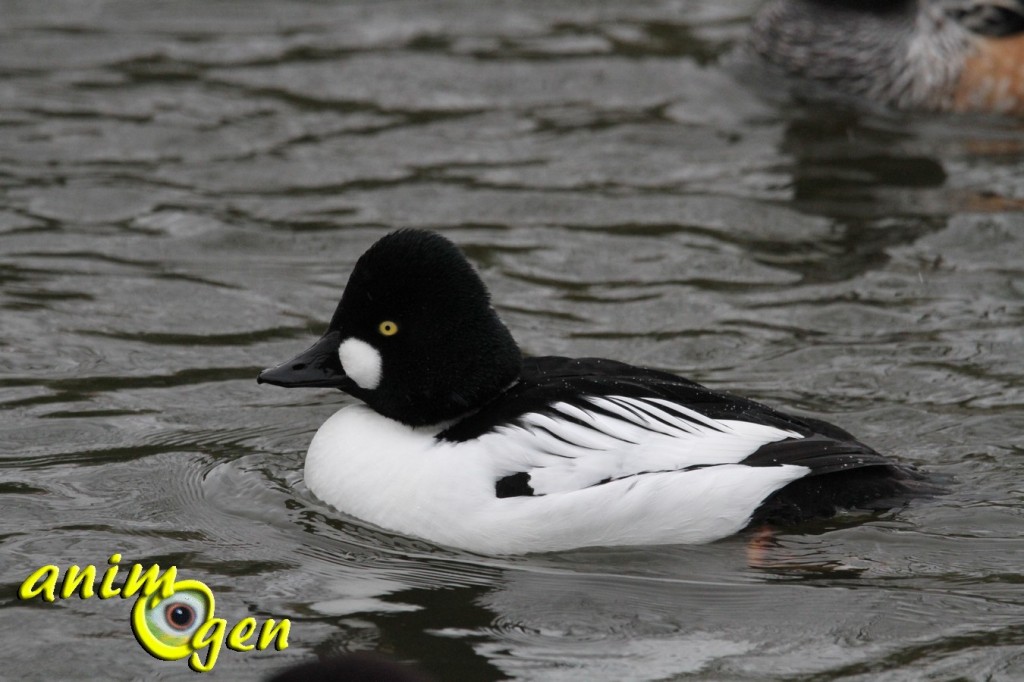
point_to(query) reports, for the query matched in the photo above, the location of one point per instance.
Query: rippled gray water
(185, 185)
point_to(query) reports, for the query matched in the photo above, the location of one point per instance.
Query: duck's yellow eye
(388, 328)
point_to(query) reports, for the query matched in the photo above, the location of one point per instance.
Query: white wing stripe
(577, 434)
(653, 415)
(570, 447)
(692, 414)
(621, 429)
(633, 414)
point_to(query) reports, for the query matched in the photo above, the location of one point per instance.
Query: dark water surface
(185, 185)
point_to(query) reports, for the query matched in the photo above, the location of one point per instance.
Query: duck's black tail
(843, 475)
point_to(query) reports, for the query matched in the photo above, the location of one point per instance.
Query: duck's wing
(571, 424)
(992, 18)
(551, 380)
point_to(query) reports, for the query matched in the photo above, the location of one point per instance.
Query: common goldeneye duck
(463, 442)
(934, 55)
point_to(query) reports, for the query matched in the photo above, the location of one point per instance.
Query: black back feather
(545, 381)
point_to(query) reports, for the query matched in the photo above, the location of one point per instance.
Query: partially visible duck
(460, 440)
(929, 55)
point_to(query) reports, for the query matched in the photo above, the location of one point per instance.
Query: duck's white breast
(404, 479)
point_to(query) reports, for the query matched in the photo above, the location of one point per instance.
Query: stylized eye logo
(164, 626)
(180, 615)
(388, 328)
(171, 618)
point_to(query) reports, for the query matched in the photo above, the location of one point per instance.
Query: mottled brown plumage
(926, 55)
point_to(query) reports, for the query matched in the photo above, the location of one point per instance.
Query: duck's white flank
(598, 480)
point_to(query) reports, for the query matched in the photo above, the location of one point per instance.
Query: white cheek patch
(361, 362)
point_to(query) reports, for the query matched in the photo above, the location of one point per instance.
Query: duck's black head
(414, 336)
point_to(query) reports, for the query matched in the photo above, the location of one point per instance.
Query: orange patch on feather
(992, 79)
